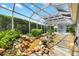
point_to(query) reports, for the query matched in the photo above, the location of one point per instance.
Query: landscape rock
(1, 50)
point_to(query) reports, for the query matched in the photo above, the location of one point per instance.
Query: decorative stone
(17, 46)
(36, 48)
(18, 52)
(1, 50)
(44, 54)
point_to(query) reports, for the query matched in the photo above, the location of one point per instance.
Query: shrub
(36, 32)
(70, 29)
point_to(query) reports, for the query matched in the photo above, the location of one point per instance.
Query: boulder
(45, 55)
(1, 50)
(26, 44)
(25, 37)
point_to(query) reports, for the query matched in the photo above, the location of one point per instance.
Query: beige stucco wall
(73, 7)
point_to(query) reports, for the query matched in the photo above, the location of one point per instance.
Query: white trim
(39, 1)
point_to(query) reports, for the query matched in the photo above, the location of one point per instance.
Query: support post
(29, 26)
(36, 26)
(13, 16)
(41, 26)
(77, 28)
(30, 23)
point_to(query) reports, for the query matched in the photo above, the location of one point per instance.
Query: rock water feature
(32, 46)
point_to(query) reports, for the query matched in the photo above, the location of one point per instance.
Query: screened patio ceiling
(40, 13)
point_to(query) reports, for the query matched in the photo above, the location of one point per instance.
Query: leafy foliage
(2, 34)
(44, 42)
(36, 32)
(20, 24)
(50, 29)
(8, 37)
(70, 29)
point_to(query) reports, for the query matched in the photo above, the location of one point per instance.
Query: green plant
(70, 29)
(44, 42)
(36, 32)
(55, 29)
(51, 41)
(50, 29)
(9, 36)
(20, 24)
(29, 34)
(2, 34)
